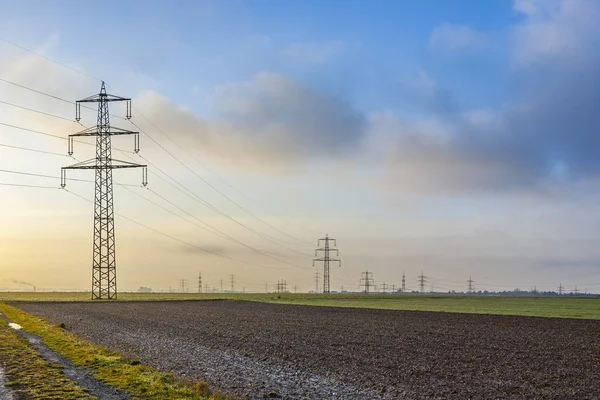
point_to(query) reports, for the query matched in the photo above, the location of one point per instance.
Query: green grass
(33, 375)
(560, 307)
(30, 376)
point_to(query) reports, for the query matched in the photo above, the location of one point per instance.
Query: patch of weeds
(31, 376)
(126, 374)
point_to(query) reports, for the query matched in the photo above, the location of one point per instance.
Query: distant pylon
(470, 285)
(403, 283)
(422, 281)
(326, 260)
(104, 265)
(232, 280)
(384, 287)
(560, 289)
(199, 282)
(367, 281)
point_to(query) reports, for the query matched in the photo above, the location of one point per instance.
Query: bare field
(301, 352)
(560, 307)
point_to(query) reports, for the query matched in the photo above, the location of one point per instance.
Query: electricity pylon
(470, 285)
(422, 281)
(104, 267)
(368, 281)
(326, 260)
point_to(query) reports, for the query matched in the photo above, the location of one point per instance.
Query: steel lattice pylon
(326, 260)
(104, 267)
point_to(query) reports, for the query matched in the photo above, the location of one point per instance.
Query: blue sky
(461, 131)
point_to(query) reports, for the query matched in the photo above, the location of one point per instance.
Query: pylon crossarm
(95, 131)
(103, 97)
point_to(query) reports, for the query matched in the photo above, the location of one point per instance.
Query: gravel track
(5, 393)
(301, 352)
(79, 375)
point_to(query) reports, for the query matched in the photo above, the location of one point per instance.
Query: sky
(455, 139)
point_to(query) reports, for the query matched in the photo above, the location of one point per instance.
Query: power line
(175, 238)
(216, 230)
(28, 186)
(49, 59)
(215, 209)
(35, 111)
(33, 150)
(55, 136)
(265, 236)
(203, 179)
(149, 121)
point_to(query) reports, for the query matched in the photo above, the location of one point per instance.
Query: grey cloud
(268, 120)
(548, 135)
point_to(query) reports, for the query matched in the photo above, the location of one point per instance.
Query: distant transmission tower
(367, 280)
(199, 282)
(403, 283)
(470, 285)
(422, 281)
(561, 289)
(281, 286)
(104, 266)
(232, 280)
(182, 285)
(384, 287)
(326, 260)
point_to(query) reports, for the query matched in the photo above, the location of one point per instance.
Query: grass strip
(30, 375)
(126, 374)
(534, 306)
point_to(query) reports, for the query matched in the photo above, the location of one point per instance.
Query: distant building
(144, 289)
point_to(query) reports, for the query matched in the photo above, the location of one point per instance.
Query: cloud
(545, 136)
(454, 38)
(312, 52)
(267, 120)
(564, 32)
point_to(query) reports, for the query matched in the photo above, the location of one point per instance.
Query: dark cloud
(550, 132)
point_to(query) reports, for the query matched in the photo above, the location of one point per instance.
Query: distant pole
(199, 282)
(367, 281)
(403, 283)
(206, 288)
(470, 285)
(326, 259)
(295, 288)
(266, 287)
(221, 285)
(182, 285)
(422, 280)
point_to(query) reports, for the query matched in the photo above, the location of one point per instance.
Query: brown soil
(299, 352)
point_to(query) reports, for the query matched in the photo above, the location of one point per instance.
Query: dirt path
(302, 352)
(77, 374)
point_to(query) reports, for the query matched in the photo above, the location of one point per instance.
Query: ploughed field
(263, 350)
